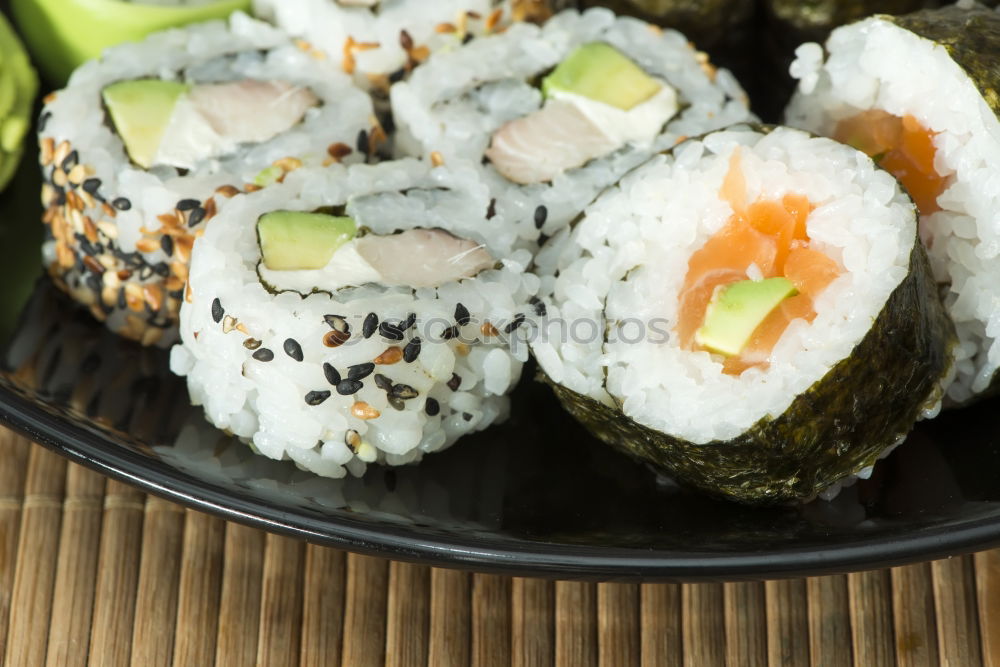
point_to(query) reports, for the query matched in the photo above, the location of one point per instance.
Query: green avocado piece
(737, 309)
(296, 241)
(141, 110)
(602, 73)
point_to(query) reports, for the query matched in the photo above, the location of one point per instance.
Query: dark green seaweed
(707, 23)
(840, 425)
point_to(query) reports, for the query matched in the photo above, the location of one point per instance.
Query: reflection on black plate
(537, 495)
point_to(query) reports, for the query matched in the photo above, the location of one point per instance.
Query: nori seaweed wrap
(803, 387)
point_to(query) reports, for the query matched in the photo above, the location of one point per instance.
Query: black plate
(535, 496)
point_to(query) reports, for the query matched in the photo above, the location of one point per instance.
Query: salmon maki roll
(752, 313)
(918, 94)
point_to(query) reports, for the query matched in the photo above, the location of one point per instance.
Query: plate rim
(518, 556)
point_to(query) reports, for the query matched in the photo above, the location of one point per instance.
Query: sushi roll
(752, 313)
(553, 114)
(355, 314)
(145, 146)
(918, 94)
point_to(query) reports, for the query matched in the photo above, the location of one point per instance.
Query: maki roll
(553, 114)
(918, 94)
(752, 313)
(355, 314)
(145, 146)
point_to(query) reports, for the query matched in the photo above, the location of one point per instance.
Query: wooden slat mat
(94, 572)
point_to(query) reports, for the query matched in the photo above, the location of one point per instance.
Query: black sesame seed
(196, 215)
(362, 142)
(404, 392)
(411, 319)
(466, 416)
(455, 382)
(263, 354)
(187, 204)
(539, 306)
(337, 323)
(390, 331)
(332, 374)
(167, 244)
(462, 315)
(382, 382)
(360, 371)
(518, 321)
(398, 75)
(293, 349)
(43, 120)
(161, 269)
(411, 351)
(91, 185)
(405, 40)
(95, 283)
(491, 210)
(432, 407)
(217, 311)
(468, 38)
(122, 204)
(70, 161)
(121, 299)
(541, 215)
(449, 333)
(349, 387)
(317, 397)
(369, 326)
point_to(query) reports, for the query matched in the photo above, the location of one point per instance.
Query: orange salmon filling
(772, 235)
(901, 146)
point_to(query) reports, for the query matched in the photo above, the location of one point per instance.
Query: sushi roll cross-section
(552, 114)
(918, 93)
(751, 313)
(145, 146)
(356, 314)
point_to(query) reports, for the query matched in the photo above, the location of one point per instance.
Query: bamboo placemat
(95, 572)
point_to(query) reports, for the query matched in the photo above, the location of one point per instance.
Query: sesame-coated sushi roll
(752, 313)
(553, 114)
(355, 314)
(919, 94)
(146, 145)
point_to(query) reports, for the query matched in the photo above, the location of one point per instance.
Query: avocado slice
(296, 241)
(737, 309)
(602, 73)
(141, 110)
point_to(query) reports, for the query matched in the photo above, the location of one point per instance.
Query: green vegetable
(292, 240)
(599, 71)
(141, 110)
(63, 34)
(736, 311)
(18, 87)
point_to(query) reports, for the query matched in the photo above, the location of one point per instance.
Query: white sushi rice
(465, 378)
(454, 103)
(76, 123)
(874, 64)
(622, 266)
